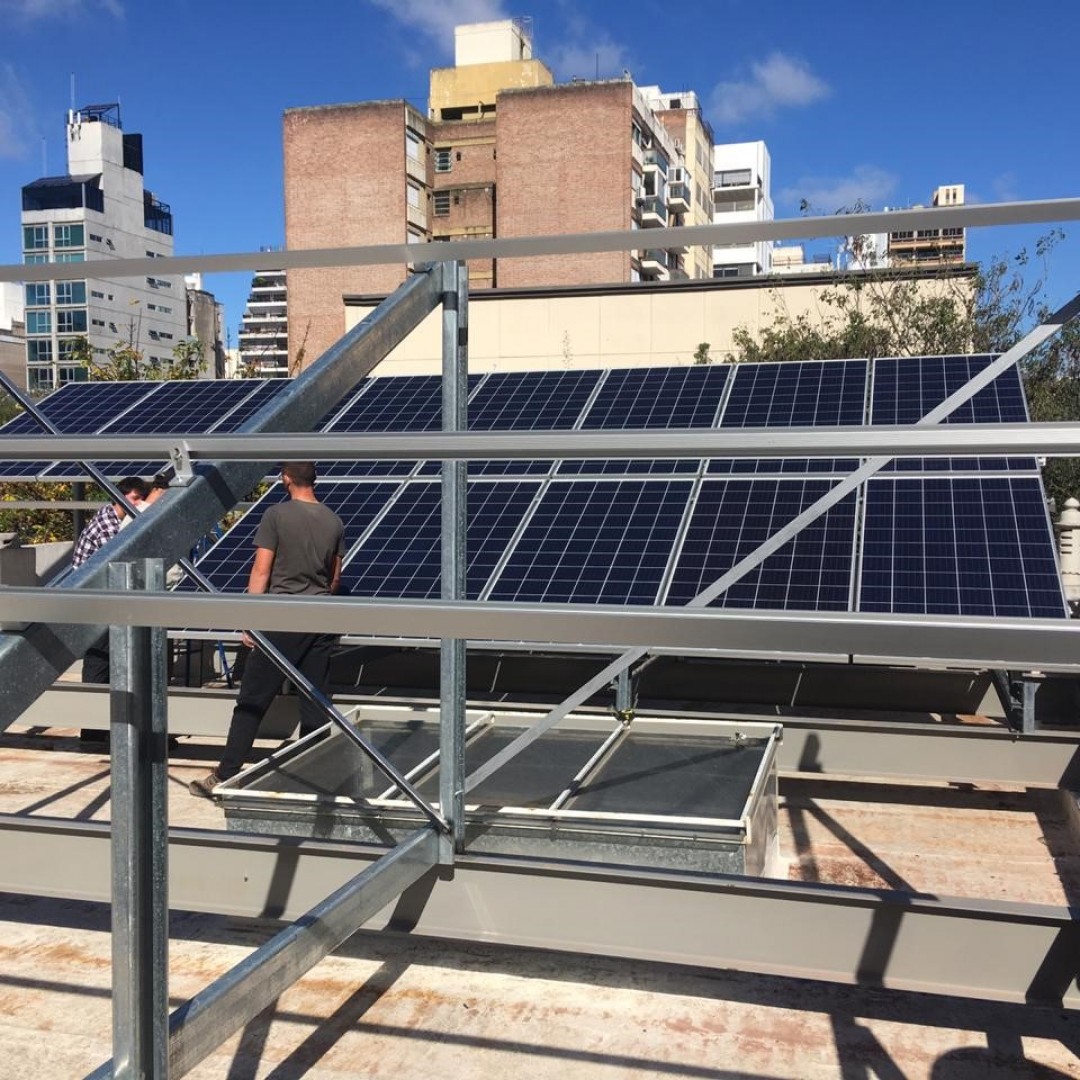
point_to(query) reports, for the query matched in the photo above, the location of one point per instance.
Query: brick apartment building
(504, 151)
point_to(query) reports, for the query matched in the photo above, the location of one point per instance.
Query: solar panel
(596, 541)
(401, 556)
(187, 406)
(76, 409)
(400, 403)
(808, 394)
(959, 546)
(905, 389)
(651, 398)
(261, 392)
(731, 518)
(528, 401)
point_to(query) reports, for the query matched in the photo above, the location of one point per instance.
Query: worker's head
(300, 474)
(134, 489)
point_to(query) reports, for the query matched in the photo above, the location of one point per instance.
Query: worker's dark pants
(310, 654)
(95, 665)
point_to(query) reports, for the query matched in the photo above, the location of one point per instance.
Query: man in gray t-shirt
(298, 549)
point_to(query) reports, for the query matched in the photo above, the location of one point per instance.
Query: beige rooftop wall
(612, 328)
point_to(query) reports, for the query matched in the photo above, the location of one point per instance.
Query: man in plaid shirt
(103, 526)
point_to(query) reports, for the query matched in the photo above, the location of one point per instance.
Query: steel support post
(455, 413)
(140, 837)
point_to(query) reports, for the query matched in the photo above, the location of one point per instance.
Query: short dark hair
(134, 484)
(300, 472)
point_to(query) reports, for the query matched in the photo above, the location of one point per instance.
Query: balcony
(656, 159)
(678, 197)
(653, 213)
(654, 261)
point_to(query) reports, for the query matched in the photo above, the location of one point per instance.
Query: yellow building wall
(616, 329)
(469, 86)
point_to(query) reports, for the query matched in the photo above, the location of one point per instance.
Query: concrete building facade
(629, 325)
(101, 210)
(503, 152)
(12, 333)
(741, 188)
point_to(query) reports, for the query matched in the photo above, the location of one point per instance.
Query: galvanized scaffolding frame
(64, 620)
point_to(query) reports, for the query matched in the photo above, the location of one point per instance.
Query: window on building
(73, 374)
(97, 322)
(70, 256)
(39, 351)
(35, 237)
(39, 322)
(95, 237)
(440, 203)
(734, 178)
(71, 292)
(412, 145)
(97, 295)
(37, 294)
(412, 196)
(69, 236)
(39, 378)
(71, 322)
(34, 260)
(66, 348)
(444, 159)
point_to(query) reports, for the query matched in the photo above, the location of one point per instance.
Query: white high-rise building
(100, 210)
(264, 328)
(741, 193)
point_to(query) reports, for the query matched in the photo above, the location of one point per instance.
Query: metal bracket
(180, 460)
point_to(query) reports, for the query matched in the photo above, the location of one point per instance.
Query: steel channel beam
(31, 660)
(1046, 440)
(1044, 644)
(969, 216)
(454, 512)
(983, 949)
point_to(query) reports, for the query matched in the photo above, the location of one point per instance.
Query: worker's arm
(335, 575)
(259, 580)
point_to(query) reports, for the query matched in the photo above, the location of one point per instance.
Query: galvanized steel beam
(982, 949)
(1045, 644)
(1049, 440)
(968, 216)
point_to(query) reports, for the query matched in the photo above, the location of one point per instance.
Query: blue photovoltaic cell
(959, 546)
(398, 403)
(189, 407)
(528, 401)
(402, 557)
(596, 541)
(905, 389)
(228, 563)
(808, 394)
(76, 409)
(657, 398)
(732, 518)
(263, 391)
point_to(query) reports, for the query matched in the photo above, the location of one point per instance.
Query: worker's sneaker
(204, 786)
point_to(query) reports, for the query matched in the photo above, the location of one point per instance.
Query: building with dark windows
(264, 327)
(100, 210)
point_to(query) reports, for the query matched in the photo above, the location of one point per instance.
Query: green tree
(985, 310)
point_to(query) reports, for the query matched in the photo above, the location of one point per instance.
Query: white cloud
(16, 116)
(777, 82)
(436, 19)
(867, 184)
(33, 10)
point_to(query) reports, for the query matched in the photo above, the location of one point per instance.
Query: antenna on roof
(44, 157)
(73, 91)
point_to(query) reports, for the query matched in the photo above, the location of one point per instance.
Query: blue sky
(855, 100)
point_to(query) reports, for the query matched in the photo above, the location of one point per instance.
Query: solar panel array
(954, 536)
